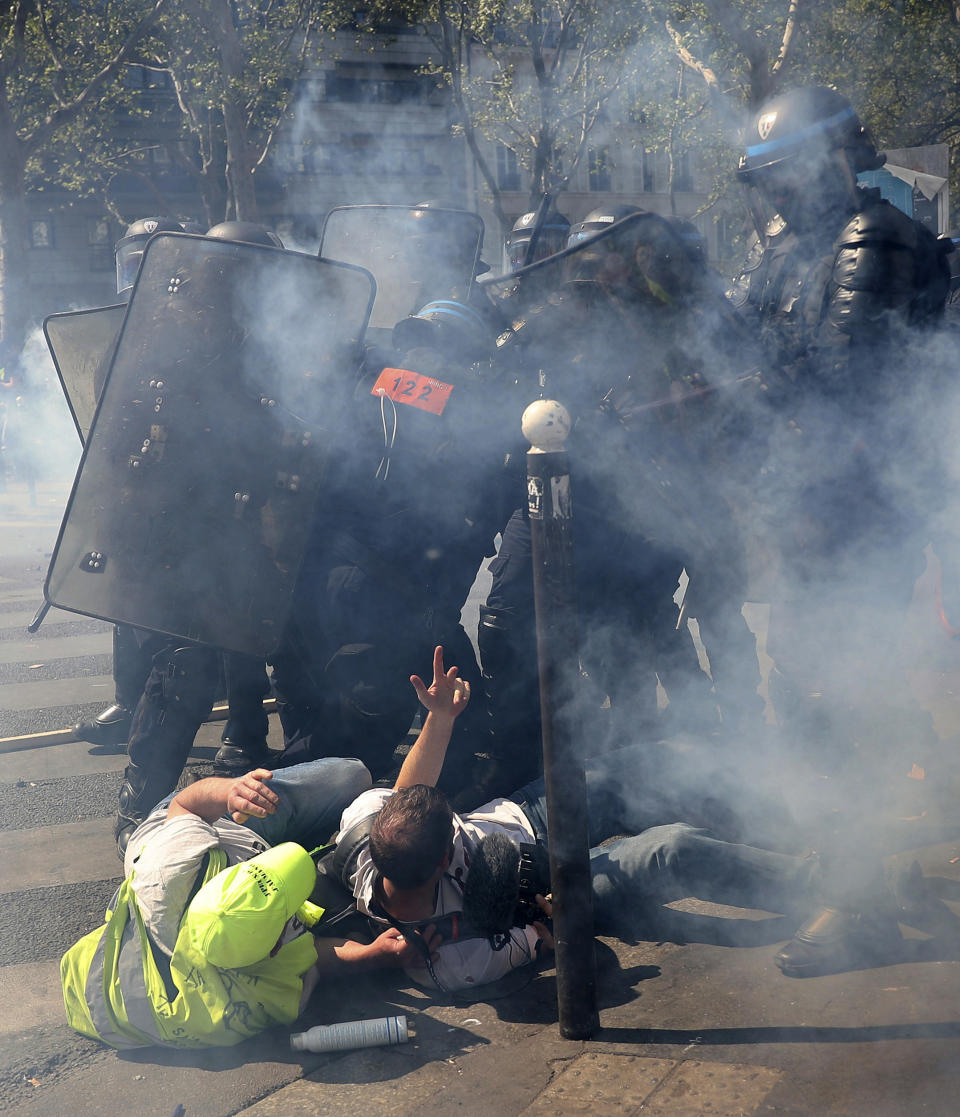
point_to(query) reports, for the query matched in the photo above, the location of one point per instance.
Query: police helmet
(129, 249)
(801, 124)
(448, 326)
(551, 238)
(598, 220)
(248, 232)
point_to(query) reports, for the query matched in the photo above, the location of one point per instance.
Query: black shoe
(234, 760)
(834, 940)
(110, 727)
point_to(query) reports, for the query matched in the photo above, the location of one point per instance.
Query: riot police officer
(399, 537)
(841, 286)
(631, 287)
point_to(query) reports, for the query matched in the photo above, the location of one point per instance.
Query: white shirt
(468, 962)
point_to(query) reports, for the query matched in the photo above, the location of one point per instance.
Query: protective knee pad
(177, 698)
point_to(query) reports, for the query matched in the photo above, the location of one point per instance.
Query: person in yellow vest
(208, 940)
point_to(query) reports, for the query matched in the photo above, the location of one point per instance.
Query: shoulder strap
(343, 860)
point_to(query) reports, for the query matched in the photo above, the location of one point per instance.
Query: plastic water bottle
(351, 1034)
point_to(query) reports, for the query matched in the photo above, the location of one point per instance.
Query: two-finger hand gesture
(448, 694)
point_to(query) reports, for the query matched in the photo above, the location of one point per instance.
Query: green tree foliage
(534, 76)
(899, 63)
(229, 68)
(57, 59)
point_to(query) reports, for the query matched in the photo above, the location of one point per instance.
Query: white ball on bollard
(546, 424)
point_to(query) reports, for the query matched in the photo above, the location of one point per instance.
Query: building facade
(368, 124)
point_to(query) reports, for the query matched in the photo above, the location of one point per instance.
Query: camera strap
(411, 935)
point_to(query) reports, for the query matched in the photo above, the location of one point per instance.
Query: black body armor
(828, 304)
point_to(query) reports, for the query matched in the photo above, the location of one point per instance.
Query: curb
(64, 736)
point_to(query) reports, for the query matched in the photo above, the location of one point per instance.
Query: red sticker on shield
(404, 386)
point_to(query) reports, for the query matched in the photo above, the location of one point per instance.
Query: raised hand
(448, 694)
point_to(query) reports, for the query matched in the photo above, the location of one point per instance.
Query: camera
(533, 879)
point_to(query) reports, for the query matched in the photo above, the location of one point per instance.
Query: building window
(41, 233)
(508, 170)
(145, 77)
(682, 172)
(389, 83)
(599, 169)
(646, 171)
(98, 230)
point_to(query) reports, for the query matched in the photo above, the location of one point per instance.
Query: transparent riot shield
(631, 331)
(197, 488)
(641, 274)
(416, 254)
(81, 343)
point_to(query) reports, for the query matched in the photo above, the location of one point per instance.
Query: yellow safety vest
(115, 991)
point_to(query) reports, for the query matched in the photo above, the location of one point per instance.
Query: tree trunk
(239, 156)
(14, 247)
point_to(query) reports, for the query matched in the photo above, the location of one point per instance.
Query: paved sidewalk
(696, 1021)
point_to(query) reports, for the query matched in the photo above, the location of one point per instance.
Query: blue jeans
(312, 798)
(669, 862)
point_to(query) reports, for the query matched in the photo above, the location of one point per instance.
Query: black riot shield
(196, 491)
(416, 254)
(81, 343)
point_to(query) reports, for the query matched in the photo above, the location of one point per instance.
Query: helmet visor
(129, 255)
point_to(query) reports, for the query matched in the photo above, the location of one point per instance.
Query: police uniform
(839, 285)
(842, 287)
(410, 510)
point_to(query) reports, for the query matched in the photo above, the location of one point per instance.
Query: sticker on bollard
(351, 1034)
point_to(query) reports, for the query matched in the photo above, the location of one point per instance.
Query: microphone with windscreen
(502, 885)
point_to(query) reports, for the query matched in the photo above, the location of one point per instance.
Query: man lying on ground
(413, 859)
(208, 939)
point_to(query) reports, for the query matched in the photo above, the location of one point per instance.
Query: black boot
(111, 727)
(853, 928)
(139, 794)
(240, 752)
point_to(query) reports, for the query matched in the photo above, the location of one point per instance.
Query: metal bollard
(546, 424)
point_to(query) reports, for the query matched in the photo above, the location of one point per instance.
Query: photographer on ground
(444, 881)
